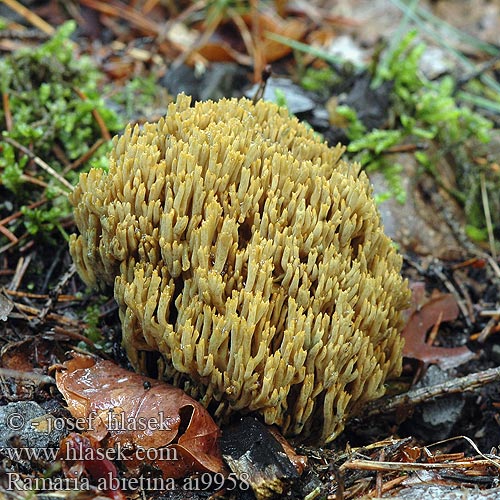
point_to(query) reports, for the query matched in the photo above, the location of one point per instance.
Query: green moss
(425, 111)
(43, 86)
(317, 80)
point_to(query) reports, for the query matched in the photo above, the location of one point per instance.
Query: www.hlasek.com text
(70, 452)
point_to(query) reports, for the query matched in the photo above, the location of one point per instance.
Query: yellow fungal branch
(252, 257)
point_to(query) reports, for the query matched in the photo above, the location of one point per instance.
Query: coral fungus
(252, 257)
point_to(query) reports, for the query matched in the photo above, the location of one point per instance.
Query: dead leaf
(32, 354)
(222, 44)
(423, 316)
(153, 421)
(80, 455)
(294, 29)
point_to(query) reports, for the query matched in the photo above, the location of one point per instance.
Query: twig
(249, 40)
(490, 312)
(405, 148)
(425, 394)
(97, 117)
(88, 154)
(10, 235)
(467, 299)
(483, 335)
(14, 240)
(54, 296)
(473, 445)
(74, 335)
(6, 111)
(60, 155)
(20, 375)
(259, 93)
(22, 265)
(387, 486)
(451, 287)
(39, 162)
(487, 216)
(33, 180)
(124, 11)
(59, 318)
(30, 16)
(39, 296)
(477, 72)
(259, 59)
(17, 214)
(405, 466)
(378, 478)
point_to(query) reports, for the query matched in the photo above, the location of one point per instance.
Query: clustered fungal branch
(252, 257)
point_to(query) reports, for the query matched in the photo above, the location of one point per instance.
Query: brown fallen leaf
(148, 420)
(221, 46)
(80, 457)
(423, 315)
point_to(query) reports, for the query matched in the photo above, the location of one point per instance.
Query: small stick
(266, 74)
(425, 394)
(405, 148)
(435, 330)
(97, 117)
(39, 296)
(6, 111)
(9, 234)
(59, 318)
(486, 331)
(490, 312)
(15, 215)
(487, 216)
(60, 154)
(259, 59)
(88, 154)
(405, 466)
(54, 295)
(378, 478)
(39, 162)
(387, 486)
(124, 11)
(30, 16)
(33, 180)
(467, 299)
(74, 335)
(20, 375)
(12, 237)
(449, 285)
(22, 266)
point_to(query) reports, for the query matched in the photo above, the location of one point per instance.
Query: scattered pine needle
(487, 216)
(373, 465)
(86, 156)
(39, 296)
(97, 117)
(8, 234)
(39, 162)
(6, 111)
(22, 375)
(425, 394)
(30, 16)
(124, 11)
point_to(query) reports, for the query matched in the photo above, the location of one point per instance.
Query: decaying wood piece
(256, 457)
